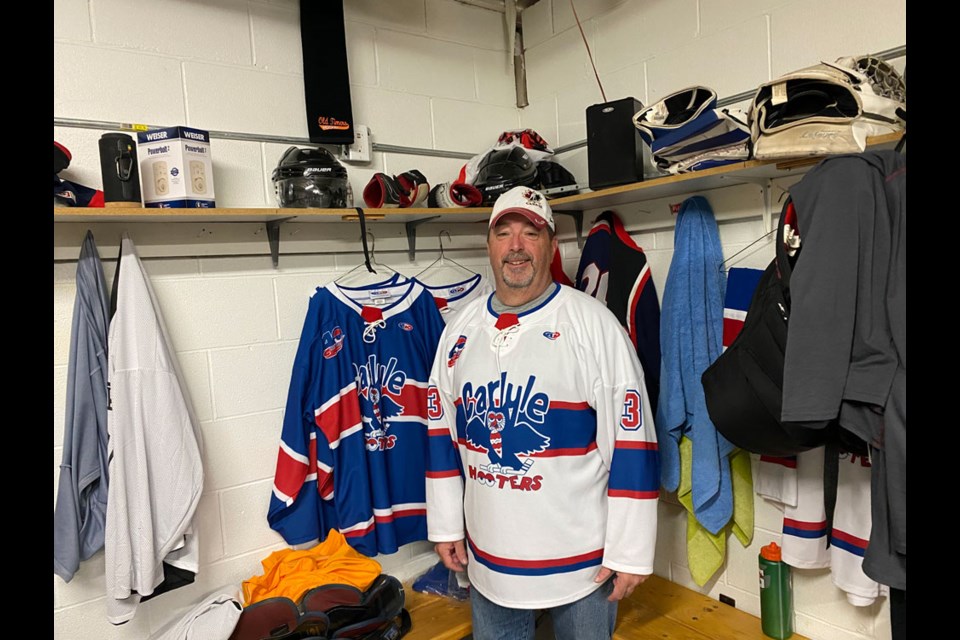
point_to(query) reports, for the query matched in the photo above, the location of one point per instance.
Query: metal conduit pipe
(78, 123)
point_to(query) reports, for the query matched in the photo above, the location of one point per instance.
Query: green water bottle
(776, 594)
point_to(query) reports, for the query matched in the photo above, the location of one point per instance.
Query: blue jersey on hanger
(352, 449)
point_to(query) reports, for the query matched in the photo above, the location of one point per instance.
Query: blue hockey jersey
(614, 270)
(352, 449)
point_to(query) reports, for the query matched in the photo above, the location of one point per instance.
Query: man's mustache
(517, 255)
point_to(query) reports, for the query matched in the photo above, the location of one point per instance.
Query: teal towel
(691, 338)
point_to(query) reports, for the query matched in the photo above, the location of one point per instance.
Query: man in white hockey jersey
(543, 470)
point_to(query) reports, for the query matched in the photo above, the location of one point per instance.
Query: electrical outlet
(359, 151)
(728, 600)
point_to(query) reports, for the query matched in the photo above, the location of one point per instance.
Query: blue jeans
(592, 617)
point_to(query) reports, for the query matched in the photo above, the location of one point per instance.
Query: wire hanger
(768, 233)
(442, 260)
(369, 259)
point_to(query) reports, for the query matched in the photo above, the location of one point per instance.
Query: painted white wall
(424, 73)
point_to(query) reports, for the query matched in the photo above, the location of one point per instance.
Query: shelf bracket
(411, 227)
(765, 184)
(578, 221)
(273, 238)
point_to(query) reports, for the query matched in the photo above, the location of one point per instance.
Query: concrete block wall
(648, 50)
(424, 73)
(431, 74)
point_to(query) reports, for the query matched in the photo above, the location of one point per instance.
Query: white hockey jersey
(154, 449)
(805, 524)
(452, 297)
(543, 454)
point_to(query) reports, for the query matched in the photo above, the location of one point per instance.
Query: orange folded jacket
(291, 573)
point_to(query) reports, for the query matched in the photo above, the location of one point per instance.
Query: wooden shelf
(739, 173)
(153, 214)
(749, 172)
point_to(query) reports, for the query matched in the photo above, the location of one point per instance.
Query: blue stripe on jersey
(574, 429)
(444, 457)
(847, 546)
(536, 567)
(805, 533)
(635, 470)
(570, 428)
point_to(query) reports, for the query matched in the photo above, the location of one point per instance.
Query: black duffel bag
(744, 386)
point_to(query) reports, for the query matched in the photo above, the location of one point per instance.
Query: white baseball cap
(529, 203)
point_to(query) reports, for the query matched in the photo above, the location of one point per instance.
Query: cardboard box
(176, 169)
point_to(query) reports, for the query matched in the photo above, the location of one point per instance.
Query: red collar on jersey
(507, 320)
(371, 314)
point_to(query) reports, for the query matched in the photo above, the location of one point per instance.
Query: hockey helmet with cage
(311, 178)
(504, 169)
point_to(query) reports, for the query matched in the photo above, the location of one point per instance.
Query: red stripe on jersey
(803, 525)
(790, 463)
(359, 532)
(325, 484)
(638, 495)
(638, 292)
(572, 406)
(847, 537)
(290, 474)
(341, 414)
(413, 399)
(625, 237)
(553, 453)
(536, 564)
(458, 402)
(471, 447)
(443, 474)
(731, 327)
(636, 444)
(603, 225)
(438, 432)
(402, 513)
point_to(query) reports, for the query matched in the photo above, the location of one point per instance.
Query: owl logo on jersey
(332, 342)
(377, 386)
(505, 437)
(455, 352)
(500, 419)
(495, 422)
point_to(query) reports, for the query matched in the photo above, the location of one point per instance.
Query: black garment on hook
(363, 240)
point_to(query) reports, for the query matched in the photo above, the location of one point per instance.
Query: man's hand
(453, 554)
(623, 583)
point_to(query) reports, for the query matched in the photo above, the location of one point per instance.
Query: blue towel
(691, 338)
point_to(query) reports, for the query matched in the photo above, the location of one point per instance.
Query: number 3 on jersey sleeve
(631, 418)
(434, 407)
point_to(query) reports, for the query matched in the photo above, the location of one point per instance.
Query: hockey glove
(414, 188)
(383, 192)
(459, 194)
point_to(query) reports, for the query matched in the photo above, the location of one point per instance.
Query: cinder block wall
(648, 50)
(424, 73)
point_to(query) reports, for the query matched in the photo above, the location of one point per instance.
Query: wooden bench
(657, 610)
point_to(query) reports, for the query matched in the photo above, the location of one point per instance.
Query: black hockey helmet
(504, 169)
(311, 178)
